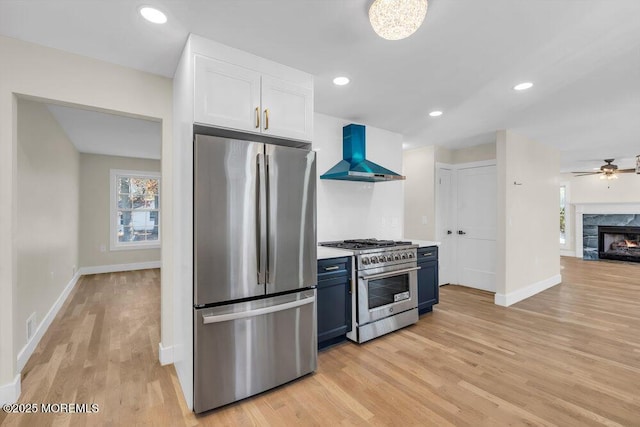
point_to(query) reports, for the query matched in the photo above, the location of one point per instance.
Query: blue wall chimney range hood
(355, 166)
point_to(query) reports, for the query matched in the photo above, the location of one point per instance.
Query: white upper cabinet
(240, 91)
(287, 109)
(226, 95)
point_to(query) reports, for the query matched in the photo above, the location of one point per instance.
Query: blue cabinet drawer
(429, 253)
(333, 267)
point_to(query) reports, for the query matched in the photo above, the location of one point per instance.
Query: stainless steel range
(386, 298)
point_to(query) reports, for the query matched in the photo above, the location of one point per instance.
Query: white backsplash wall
(356, 210)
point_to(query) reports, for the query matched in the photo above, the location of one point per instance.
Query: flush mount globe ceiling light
(397, 19)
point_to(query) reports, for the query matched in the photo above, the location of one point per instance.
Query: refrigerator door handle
(217, 318)
(261, 218)
(267, 218)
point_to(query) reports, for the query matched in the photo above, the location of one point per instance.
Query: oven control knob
(386, 258)
(396, 257)
(410, 255)
(365, 260)
(374, 259)
(403, 256)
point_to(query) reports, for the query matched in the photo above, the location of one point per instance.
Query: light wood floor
(569, 356)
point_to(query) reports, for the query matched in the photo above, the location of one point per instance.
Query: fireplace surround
(589, 216)
(619, 243)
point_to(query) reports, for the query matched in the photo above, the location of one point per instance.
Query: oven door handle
(390, 273)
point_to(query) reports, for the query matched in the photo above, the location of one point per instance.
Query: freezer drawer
(246, 348)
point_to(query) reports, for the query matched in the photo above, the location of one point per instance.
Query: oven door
(383, 294)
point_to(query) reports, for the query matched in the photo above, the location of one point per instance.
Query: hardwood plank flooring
(569, 356)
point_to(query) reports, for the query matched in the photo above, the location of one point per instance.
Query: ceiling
(109, 134)
(582, 55)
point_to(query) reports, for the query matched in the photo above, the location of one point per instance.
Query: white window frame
(116, 245)
(567, 215)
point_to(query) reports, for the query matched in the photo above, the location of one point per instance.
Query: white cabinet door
(289, 108)
(226, 95)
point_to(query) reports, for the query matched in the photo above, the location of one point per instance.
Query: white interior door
(446, 225)
(476, 227)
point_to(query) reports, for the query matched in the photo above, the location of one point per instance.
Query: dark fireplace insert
(621, 243)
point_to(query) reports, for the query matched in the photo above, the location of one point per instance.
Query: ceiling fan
(607, 171)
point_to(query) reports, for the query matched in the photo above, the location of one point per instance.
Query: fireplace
(619, 242)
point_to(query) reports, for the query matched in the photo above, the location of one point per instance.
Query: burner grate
(365, 244)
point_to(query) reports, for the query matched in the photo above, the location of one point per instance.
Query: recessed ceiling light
(153, 15)
(523, 86)
(341, 81)
(435, 113)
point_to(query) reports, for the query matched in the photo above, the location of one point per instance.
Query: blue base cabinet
(428, 290)
(333, 300)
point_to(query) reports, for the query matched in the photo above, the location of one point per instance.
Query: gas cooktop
(364, 244)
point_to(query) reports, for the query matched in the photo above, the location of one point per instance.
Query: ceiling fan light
(397, 19)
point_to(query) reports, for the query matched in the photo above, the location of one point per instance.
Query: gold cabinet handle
(266, 119)
(257, 117)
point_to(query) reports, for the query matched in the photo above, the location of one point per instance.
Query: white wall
(475, 153)
(592, 189)
(95, 209)
(346, 209)
(35, 71)
(48, 194)
(527, 236)
(419, 193)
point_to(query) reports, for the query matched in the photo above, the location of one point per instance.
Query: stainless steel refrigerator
(254, 268)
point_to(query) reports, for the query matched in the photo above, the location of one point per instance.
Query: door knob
(461, 232)
(449, 232)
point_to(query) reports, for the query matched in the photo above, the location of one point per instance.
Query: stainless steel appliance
(386, 298)
(254, 267)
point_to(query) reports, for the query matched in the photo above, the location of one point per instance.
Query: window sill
(134, 246)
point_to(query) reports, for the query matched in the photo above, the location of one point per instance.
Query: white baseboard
(165, 354)
(28, 349)
(506, 300)
(564, 252)
(10, 392)
(99, 269)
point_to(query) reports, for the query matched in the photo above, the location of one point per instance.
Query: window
(135, 210)
(564, 215)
